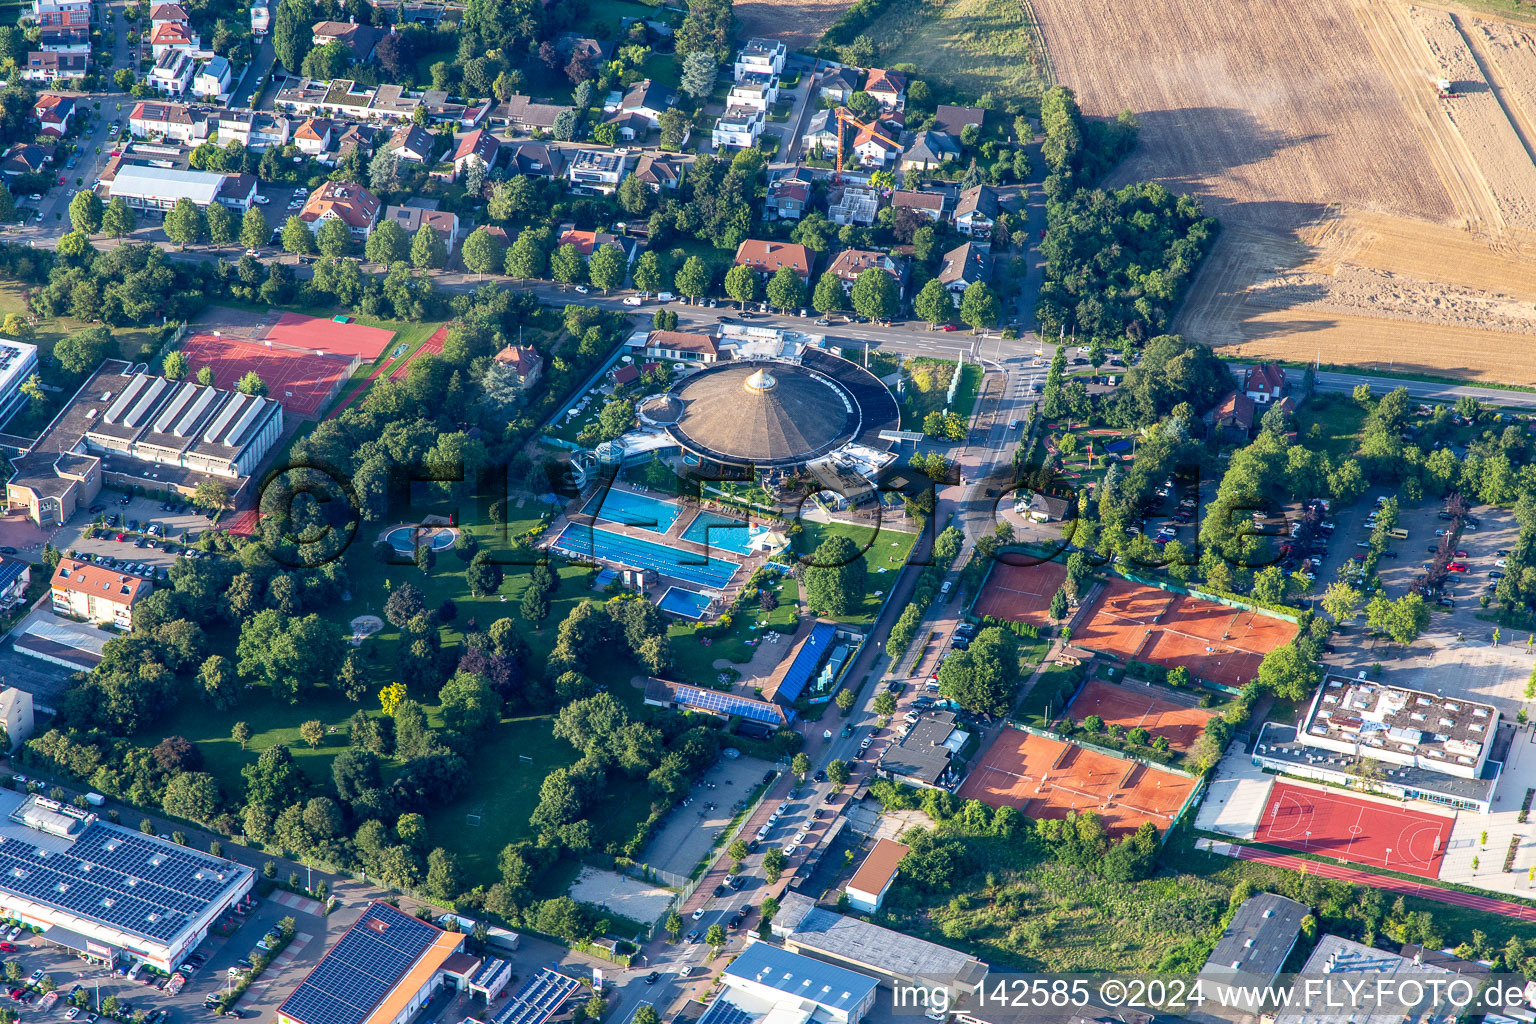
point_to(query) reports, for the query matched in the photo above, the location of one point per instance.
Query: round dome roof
(749, 413)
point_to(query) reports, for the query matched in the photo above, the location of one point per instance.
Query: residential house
(314, 136)
(964, 265)
(680, 347)
(755, 90)
(766, 257)
(360, 39)
(413, 218)
(952, 120)
(65, 39)
(852, 204)
(525, 361)
(887, 88)
(82, 590)
(663, 173)
(631, 124)
(23, 158)
(924, 151)
(821, 133)
(254, 130)
(876, 145)
(171, 121)
(788, 198)
(17, 714)
(356, 137)
(56, 13)
(738, 127)
(838, 84)
(533, 159)
(51, 66)
(1264, 383)
(1048, 508)
(588, 242)
(649, 100)
(261, 18)
(157, 189)
(1231, 419)
(761, 56)
(524, 114)
(174, 36)
(594, 51)
(847, 265)
(352, 204)
(928, 205)
(867, 888)
(172, 73)
(164, 14)
(213, 78)
(442, 108)
(476, 146)
(411, 144)
(597, 170)
(976, 212)
(53, 113)
(344, 98)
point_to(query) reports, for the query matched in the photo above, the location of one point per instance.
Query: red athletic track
(1455, 898)
(1360, 831)
(431, 346)
(352, 395)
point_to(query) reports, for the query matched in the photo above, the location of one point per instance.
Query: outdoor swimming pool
(722, 533)
(686, 603)
(405, 538)
(638, 510)
(593, 542)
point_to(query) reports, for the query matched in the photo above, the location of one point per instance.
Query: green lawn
(927, 388)
(971, 46)
(886, 549)
(131, 341)
(1332, 421)
(693, 658)
(970, 387)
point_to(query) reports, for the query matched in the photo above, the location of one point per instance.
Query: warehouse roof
(202, 187)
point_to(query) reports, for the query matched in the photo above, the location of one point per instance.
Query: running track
(359, 389)
(1454, 897)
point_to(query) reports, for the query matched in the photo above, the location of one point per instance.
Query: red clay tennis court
(1046, 778)
(316, 333)
(1218, 644)
(1021, 593)
(302, 382)
(1134, 705)
(1355, 830)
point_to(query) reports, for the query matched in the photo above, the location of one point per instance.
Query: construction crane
(845, 116)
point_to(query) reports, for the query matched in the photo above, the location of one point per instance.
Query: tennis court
(1216, 643)
(1046, 778)
(1138, 705)
(1021, 593)
(1355, 830)
(329, 336)
(301, 382)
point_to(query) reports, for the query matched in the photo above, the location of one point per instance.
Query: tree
(774, 863)
(564, 127)
(185, 224)
(874, 294)
(254, 230)
(1059, 602)
(387, 244)
(885, 703)
(785, 289)
(834, 578)
(567, 266)
(1341, 601)
(714, 937)
(741, 285)
(933, 304)
(193, 796)
(675, 127)
(334, 238)
(251, 384)
(800, 764)
(221, 224)
(844, 700)
(829, 296)
(384, 171)
(535, 605)
(674, 925)
(241, 734)
(481, 252)
(292, 34)
(427, 249)
(297, 238)
(608, 267)
(838, 773)
(85, 212)
(174, 365)
(692, 279)
(117, 219)
(979, 307)
(84, 350)
(982, 677)
(699, 73)
(312, 732)
(647, 272)
(468, 703)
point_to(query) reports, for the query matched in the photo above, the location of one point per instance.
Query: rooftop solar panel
(731, 704)
(362, 967)
(807, 661)
(539, 999)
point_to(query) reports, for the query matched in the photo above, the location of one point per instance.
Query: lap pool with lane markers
(722, 533)
(638, 510)
(592, 542)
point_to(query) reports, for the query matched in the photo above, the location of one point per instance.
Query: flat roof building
(102, 890)
(1258, 939)
(1351, 962)
(868, 886)
(160, 188)
(769, 983)
(1397, 725)
(922, 756)
(18, 361)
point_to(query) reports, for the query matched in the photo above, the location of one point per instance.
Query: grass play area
(926, 389)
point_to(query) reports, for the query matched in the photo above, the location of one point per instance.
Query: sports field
(1046, 778)
(1352, 829)
(1137, 705)
(1216, 643)
(332, 337)
(301, 381)
(431, 346)
(1021, 593)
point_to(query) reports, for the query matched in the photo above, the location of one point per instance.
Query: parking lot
(689, 832)
(182, 527)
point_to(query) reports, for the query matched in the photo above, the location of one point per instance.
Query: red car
(1457, 567)
(121, 536)
(949, 327)
(61, 179)
(7, 947)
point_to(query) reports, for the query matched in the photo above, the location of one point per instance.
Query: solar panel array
(730, 704)
(807, 661)
(10, 568)
(539, 999)
(362, 968)
(723, 1011)
(135, 883)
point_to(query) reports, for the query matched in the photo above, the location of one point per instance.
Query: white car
(698, 913)
(582, 289)
(263, 200)
(633, 300)
(799, 838)
(1502, 563)
(36, 197)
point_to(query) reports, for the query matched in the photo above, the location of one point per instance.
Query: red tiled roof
(768, 256)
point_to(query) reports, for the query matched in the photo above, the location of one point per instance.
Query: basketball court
(1138, 705)
(1216, 643)
(1353, 829)
(1046, 778)
(1021, 593)
(301, 381)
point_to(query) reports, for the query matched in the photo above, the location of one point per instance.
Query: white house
(314, 136)
(755, 90)
(213, 78)
(761, 56)
(868, 886)
(597, 170)
(738, 126)
(261, 18)
(172, 73)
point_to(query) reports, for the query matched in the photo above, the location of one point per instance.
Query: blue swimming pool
(593, 542)
(406, 539)
(687, 603)
(722, 533)
(631, 509)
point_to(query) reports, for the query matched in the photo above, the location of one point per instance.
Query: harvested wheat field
(1366, 219)
(799, 23)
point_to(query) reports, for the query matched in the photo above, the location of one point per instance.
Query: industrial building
(766, 983)
(1258, 939)
(160, 188)
(1380, 971)
(1399, 726)
(867, 888)
(107, 892)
